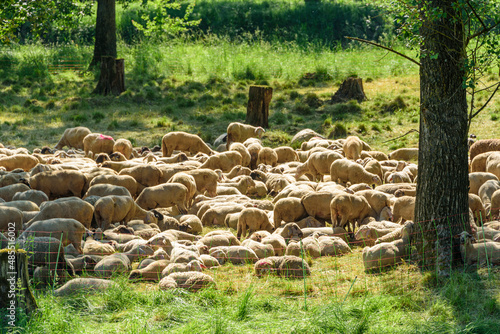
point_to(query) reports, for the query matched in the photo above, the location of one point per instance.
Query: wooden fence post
(259, 98)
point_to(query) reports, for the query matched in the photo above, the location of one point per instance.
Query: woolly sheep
(152, 272)
(125, 181)
(286, 154)
(239, 132)
(352, 148)
(289, 231)
(73, 137)
(405, 154)
(35, 196)
(349, 208)
(260, 249)
(224, 161)
(164, 195)
(349, 171)
(310, 247)
(253, 219)
(23, 161)
(482, 146)
(278, 243)
(183, 141)
(403, 208)
(318, 164)
(478, 164)
(288, 210)
(191, 280)
(286, 266)
(206, 180)
(98, 143)
(333, 246)
(243, 151)
(59, 183)
(84, 285)
(486, 252)
(68, 207)
(110, 265)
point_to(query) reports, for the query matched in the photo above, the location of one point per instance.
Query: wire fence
(318, 264)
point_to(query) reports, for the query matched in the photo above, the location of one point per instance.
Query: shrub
(338, 131)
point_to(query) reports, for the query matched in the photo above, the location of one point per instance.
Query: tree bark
(15, 290)
(112, 77)
(259, 98)
(350, 89)
(441, 208)
(105, 31)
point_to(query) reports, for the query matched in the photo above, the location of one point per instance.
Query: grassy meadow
(199, 83)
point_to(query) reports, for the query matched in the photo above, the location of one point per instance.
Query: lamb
(477, 179)
(98, 143)
(35, 196)
(192, 222)
(70, 229)
(289, 210)
(286, 154)
(125, 181)
(482, 146)
(59, 183)
(183, 141)
(164, 195)
(238, 132)
(286, 266)
(152, 272)
(349, 208)
(405, 154)
(352, 148)
(191, 280)
(349, 171)
(123, 146)
(267, 156)
(73, 137)
(224, 161)
(318, 164)
(69, 207)
(487, 252)
(84, 285)
(23, 161)
(254, 219)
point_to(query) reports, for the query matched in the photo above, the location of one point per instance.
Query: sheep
(260, 249)
(290, 231)
(188, 181)
(191, 280)
(35, 196)
(68, 207)
(241, 255)
(482, 146)
(397, 177)
(11, 218)
(486, 191)
(23, 161)
(84, 285)
(405, 154)
(152, 272)
(267, 156)
(288, 266)
(193, 223)
(239, 132)
(478, 209)
(94, 247)
(289, 210)
(309, 222)
(206, 180)
(403, 231)
(145, 175)
(110, 265)
(164, 195)
(377, 200)
(372, 231)
(224, 161)
(59, 183)
(393, 187)
(73, 137)
(477, 179)
(70, 229)
(286, 154)
(349, 208)
(183, 141)
(317, 204)
(310, 247)
(403, 209)
(238, 170)
(478, 164)
(209, 261)
(21, 205)
(274, 182)
(218, 214)
(98, 143)
(123, 146)
(349, 171)
(486, 252)
(384, 255)
(125, 181)
(194, 265)
(278, 243)
(333, 246)
(493, 163)
(317, 164)
(242, 186)
(104, 189)
(254, 219)
(352, 148)
(8, 192)
(243, 151)
(254, 150)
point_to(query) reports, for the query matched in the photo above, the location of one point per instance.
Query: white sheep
(239, 132)
(485, 252)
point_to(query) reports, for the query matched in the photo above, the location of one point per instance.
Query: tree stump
(259, 98)
(15, 290)
(112, 78)
(350, 89)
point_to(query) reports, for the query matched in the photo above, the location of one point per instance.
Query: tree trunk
(259, 98)
(350, 89)
(15, 290)
(441, 208)
(112, 78)
(105, 31)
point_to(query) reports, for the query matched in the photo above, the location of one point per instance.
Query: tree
(105, 31)
(456, 47)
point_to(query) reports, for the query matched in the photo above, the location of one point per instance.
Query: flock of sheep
(103, 207)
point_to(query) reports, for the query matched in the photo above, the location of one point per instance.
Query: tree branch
(383, 47)
(412, 130)
(489, 100)
(475, 13)
(484, 31)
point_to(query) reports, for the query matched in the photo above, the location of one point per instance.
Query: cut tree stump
(350, 89)
(259, 98)
(15, 290)
(112, 78)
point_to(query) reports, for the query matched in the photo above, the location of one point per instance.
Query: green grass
(403, 300)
